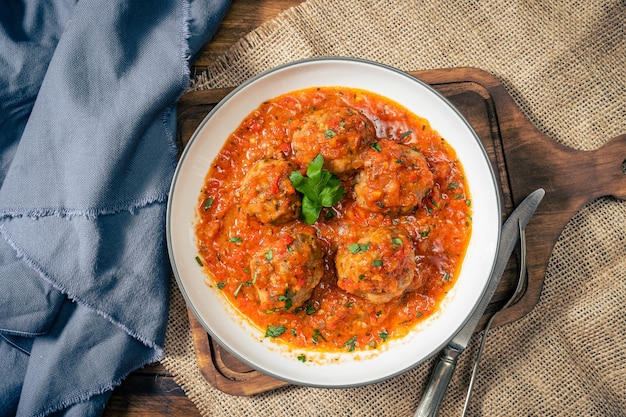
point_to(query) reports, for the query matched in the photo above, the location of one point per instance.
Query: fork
(521, 284)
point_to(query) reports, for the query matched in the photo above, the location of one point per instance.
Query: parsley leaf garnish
(274, 331)
(320, 188)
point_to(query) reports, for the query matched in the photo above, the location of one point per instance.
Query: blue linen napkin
(87, 152)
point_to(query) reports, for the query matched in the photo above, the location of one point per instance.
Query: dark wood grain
(150, 391)
(523, 160)
(243, 17)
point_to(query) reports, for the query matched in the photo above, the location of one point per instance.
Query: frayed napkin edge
(132, 206)
(97, 390)
(21, 254)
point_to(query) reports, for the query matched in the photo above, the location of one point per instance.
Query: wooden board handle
(610, 168)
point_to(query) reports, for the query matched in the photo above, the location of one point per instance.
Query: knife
(444, 368)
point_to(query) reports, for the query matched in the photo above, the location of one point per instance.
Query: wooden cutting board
(523, 159)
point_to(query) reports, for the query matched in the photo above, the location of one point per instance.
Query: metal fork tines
(521, 284)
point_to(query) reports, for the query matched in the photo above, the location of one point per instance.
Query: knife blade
(444, 368)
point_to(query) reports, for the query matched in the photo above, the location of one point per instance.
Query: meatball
(339, 134)
(394, 179)
(285, 272)
(379, 266)
(267, 193)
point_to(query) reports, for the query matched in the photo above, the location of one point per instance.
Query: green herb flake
(376, 146)
(377, 262)
(383, 335)
(220, 285)
(356, 247)
(320, 188)
(207, 203)
(287, 299)
(396, 243)
(309, 310)
(235, 239)
(330, 133)
(236, 293)
(453, 185)
(317, 335)
(199, 261)
(406, 134)
(351, 344)
(302, 358)
(269, 255)
(274, 331)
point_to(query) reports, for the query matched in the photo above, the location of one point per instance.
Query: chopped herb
(406, 134)
(397, 242)
(310, 310)
(459, 196)
(274, 331)
(468, 202)
(453, 185)
(379, 313)
(425, 233)
(419, 314)
(293, 332)
(320, 188)
(356, 248)
(446, 276)
(236, 293)
(361, 276)
(287, 299)
(235, 239)
(351, 344)
(199, 261)
(220, 285)
(317, 335)
(377, 262)
(330, 133)
(302, 358)
(383, 335)
(269, 255)
(376, 147)
(207, 203)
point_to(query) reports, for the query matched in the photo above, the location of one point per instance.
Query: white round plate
(332, 369)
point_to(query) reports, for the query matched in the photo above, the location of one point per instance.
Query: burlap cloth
(565, 65)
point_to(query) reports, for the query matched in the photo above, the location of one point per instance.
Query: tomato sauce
(332, 319)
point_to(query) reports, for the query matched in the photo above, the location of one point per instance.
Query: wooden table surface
(152, 390)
